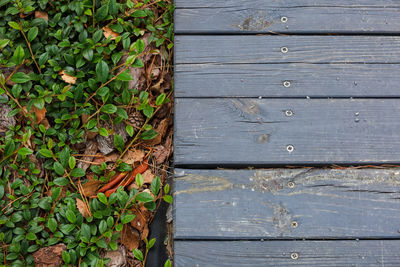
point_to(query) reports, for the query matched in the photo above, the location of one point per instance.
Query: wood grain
(287, 203)
(267, 80)
(257, 132)
(280, 253)
(303, 16)
(301, 49)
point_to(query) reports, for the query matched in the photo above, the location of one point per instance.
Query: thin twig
(29, 47)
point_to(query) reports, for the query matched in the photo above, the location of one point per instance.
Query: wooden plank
(287, 203)
(302, 16)
(300, 49)
(284, 253)
(270, 80)
(261, 132)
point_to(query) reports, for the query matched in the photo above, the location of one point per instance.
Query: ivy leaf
(138, 254)
(127, 218)
(71, 217)
(102, 198)
(61, 181)
(124, 76)
(102, 71)
(9, 148)
(144, 197)
(52, 224)
(168, 199)
(119, 142)
(20, 77)
(155, 186)
(102, 13)
(113, 7)
(46, 153)
(139, 46)
(78, 172)
(160, 99)
(33, 32)
(18, 56)
(139, 14)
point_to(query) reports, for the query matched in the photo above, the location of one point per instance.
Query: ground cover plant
(85, 129)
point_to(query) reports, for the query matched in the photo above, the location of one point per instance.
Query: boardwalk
(272, 84)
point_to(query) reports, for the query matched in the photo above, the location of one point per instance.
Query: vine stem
(29, 47)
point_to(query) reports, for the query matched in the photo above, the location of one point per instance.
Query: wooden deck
(272, 84)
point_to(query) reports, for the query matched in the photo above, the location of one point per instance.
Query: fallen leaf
(41, 15)
(145, 232)
(117, 258)
(67, 78)
(40, 114)
(148, 177)
(90, 151)
(161, 130)
(133, 155)
(110, 33)
(49, 256)
(141, 219)
(46, 123)
(130, 237)
(90, 188)
(83, 209)
(160, 153)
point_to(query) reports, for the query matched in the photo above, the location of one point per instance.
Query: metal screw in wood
(290, 148)
(284, 19)
(284, 49)
(289, 113)
(294, 256)
(295, 224)
(286, 84)
(291, 184)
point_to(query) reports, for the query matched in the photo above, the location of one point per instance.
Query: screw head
(284, 19)
(290, 148)
(284, 49)
(294, 256)
(295, 224)
(289, 113)
(291, 184)
(286, 84)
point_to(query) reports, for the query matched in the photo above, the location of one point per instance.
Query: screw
(290, 148)
(286, 84)
(284, 49)
(295, 224)
(291, 184)
(284, 19)
(294, 256)
(289, 113)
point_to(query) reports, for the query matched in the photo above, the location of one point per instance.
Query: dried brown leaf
(160, 153)
(161, 130)
(148, 177)
(90, 150)
(82, 207)
(40, 114)
(145, 232)
(67, 78)
(133, 155)
(90, 188)
(130, 237)
(110, 33)
(41, 15)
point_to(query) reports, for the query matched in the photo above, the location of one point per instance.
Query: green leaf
(14, 25)
(155, 186)
(61, 181)
(43, 59)
(124, 76)
(71, 217)
(88, 54)
(130, 130)
(102, 198)
(71, 162)
(151, 243)
(102, 71)
(25, 151)
(4, 43)
(45, 203)
(9, 148)
(85, 231)
(139, 180)
(138, 254)
(144, 197)
(148, 135)
(101, 243)
(148, 111)
(138, 63)
(126, 218)
(20, 77)
(109, 108)
(46, 153)
(58, 168)
(103, 132)
(31, 236)
(78, 172)
(113, 7)
(160, 99)
(102, 13)
(33, 32)
(52, 224)
(139, 44)
(168, 199)
(97, 35)
(123, 167)
(139, 14)
(119, 142)
(167, 263)
(66, 256)
(102, 226)
(18, 56)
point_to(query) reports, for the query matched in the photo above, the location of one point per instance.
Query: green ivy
(66, 67)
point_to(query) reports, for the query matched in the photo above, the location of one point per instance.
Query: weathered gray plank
(270, 80)
(301, 49)
(302, 16)
(255, 132)
(287, 203)
(281, 253)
